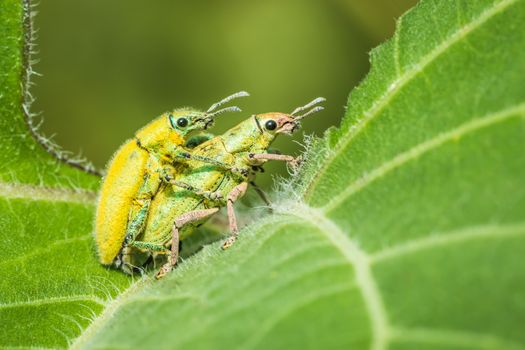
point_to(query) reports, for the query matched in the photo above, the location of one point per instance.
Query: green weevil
(136, 170)
(198, 190)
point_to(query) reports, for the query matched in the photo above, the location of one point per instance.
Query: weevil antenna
(224, 110)
(226, 100)
(311, 111)
(308, 105)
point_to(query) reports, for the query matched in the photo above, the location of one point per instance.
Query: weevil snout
(207, 120)
(289, 123)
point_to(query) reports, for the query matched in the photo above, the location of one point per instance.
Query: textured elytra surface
(409, 233)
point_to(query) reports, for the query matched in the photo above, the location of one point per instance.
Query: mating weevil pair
(163, 184)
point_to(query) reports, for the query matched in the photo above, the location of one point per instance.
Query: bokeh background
(109, 67)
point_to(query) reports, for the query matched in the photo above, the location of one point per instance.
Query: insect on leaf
(404, 230)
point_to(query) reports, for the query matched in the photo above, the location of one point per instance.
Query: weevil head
(185, 121)
(170, 130)
(256, 134)
(165, 134)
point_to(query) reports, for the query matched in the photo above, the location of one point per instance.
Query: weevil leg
(292, 161)
(126, 259)
(140, 204)
(137, 218)
(236, 193)
(271, 156)
(174, 256)
(262, 194)
(211, 195)
(147, 246)
(185, 156)
(186, 218)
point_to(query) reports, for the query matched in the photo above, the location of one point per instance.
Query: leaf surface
(51, 285)
(405, 230)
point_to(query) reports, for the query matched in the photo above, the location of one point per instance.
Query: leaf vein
(417, 151)
(360, 260)
(454, 338)
(397, 85)
(52, 300)
(444, 239)
(41, 193)
(396, 47)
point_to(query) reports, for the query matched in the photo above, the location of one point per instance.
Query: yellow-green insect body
(124, 177)
(200, 189)
(137, 170)
(172, 201)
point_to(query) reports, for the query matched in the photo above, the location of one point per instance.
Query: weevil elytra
(199, 190)
(136, 170)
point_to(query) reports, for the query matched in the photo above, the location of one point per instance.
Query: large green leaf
(51, 285)
(405, 230)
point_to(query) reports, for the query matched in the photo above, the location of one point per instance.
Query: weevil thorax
(167, 132)
(257, 133)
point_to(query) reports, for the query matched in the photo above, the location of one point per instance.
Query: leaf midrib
(383, 332)
(53, 300)
(43, 193)
(361, 263)
(447, 337)
(418, 150)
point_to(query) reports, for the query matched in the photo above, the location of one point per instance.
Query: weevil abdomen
(124, 177)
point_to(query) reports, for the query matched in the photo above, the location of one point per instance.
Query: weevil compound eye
(182, 122)
(179, 123)
(270, 125)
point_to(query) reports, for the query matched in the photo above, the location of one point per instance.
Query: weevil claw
(295, 163)
(228, 242)
(164, 270)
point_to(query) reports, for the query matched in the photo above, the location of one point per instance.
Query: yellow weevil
(200, 189)
(137, 170)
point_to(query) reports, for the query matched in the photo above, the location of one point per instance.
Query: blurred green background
(109, 67)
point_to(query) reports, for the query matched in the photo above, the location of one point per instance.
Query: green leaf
(51, 285)
(405, 230)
